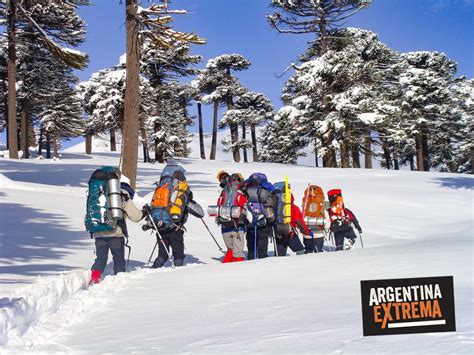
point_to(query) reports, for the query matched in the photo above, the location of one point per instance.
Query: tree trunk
(40, 141)
(419, 153)
(159, 154)
(244, 137)
(396, 163)
(253, 133)
(55, 147)
(411, 159)
(5, 104)
(214, 131)
(234, 133)
(329, 158)
(184, 147)
(88, 144)
(31, 133)
(355, 157)
(387, 156)
(113, 144)
(11, 68)
(368, 152)
(146, 153)
(315, 144)
(424, 147)
(24, 129)
(48, 145)
(344, 155)
(201, 132)
(131, 104)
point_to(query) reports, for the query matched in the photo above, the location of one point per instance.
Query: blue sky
(240, 26)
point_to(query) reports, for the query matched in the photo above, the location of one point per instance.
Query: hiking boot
(95, 277)
(228, 257)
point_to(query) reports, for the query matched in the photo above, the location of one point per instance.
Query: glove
(146, 209)
(311, 234)
(360, 230)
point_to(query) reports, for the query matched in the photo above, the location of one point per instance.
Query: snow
(415, 225)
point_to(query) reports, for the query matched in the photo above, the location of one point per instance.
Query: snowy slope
(415, 224)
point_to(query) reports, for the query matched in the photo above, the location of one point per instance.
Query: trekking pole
(255, 241)
(129, 252)
(152, 252)
(274, 242)
(158, 235)
(361, 242)
(205, 224)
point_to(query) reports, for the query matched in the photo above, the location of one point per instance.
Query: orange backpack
(161, 196)
(313, 207)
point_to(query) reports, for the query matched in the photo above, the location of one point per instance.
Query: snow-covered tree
(280, 140)
(51, 25)
(459, 146)
(162, 67)
(426, 102)
(251, 110)
(102, 97)
(318, 17)
(151, 24)
(62, 115)
(219, 71)
(339, 93)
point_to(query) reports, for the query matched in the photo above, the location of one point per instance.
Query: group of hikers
(249, 211)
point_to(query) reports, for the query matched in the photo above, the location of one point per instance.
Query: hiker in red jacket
(292, 239)
(342, 221)
(232, 204)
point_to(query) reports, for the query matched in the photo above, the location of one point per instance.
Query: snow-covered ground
(415, 225)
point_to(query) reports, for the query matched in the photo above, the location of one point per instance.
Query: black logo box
(446, 304)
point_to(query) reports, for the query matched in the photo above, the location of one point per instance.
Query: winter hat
(124, 180)
(221, 175)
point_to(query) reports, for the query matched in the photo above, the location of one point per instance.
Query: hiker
(170, 213)
(115, 238)
(260, 215)
(231, 216)
(290, 238)
(316, 217)
(342, 220)
(314, 243)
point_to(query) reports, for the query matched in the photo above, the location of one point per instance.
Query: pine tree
(339, 94)
(162, 66)
(456, 151)
(252, 109)
(152, 23)
(318, 17)
(102, 97)
(63, 27)
(62, 115)
(426, 101)
(281, 141)
(227, 89)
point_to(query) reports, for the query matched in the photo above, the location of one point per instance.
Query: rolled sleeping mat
(115, 198)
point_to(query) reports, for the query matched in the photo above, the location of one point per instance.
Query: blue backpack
(98, 212)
